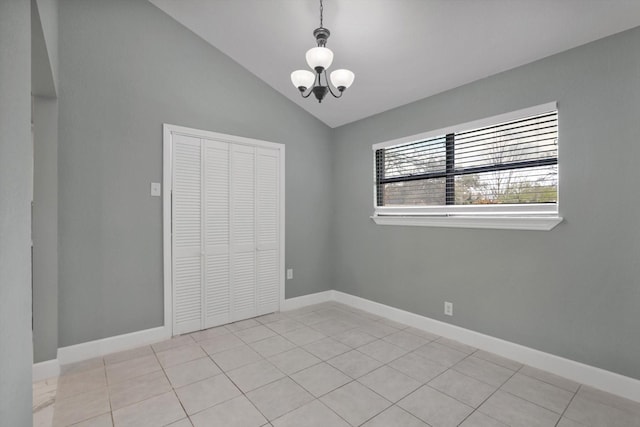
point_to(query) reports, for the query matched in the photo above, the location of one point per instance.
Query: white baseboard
(585, 374)
(45, 370)
(101, 347)
(297, 302)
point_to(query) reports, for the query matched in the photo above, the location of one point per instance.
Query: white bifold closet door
(226, 232)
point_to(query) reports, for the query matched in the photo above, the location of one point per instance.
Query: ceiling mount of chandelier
(319, 59)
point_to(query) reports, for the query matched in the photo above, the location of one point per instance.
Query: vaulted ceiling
(400, 50)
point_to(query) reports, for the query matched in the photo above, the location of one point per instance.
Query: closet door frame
(167, 220)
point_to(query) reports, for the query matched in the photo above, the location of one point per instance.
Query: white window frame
(516, 217)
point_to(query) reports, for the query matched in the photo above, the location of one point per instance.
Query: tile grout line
(503, 383)
(106, 386)
(387, 364)
(355, 321)
(223, 372)
(287, 376)
(113, 421)
(407, 352)
(569, 404)
(163, 369)
(548, 383)
(534, 403)
(155, 354)
(356, 379)
(488, 397)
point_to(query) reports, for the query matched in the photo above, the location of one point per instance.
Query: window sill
(468, 221)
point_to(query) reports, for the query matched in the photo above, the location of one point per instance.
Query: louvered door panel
(243, 187)
(244, 285)
(268, 231)
(187, 294)
(217, 290)
(187, 234)
(243, 231)
(268, 283)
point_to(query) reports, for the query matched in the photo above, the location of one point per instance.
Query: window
(500, 172)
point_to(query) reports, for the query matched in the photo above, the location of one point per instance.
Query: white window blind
(499, 167)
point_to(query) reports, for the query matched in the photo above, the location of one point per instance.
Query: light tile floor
(326, 365)
(44, 396)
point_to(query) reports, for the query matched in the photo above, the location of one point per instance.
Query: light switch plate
(156, 190)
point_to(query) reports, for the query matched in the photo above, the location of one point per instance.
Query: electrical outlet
(448, 308)
(289, 273)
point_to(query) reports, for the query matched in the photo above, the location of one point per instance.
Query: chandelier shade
(319, 60)
(342, 78)
(319, 57)
(303, 78)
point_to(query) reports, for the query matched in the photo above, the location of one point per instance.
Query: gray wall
(125, 69)
(44, 59)
(45, 229)
(16, 157)
(48, 14)
(572, 291)
(42, 69)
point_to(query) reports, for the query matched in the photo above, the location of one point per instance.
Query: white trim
(608, 381)
(45, 370)
(532, 209)
(166, 227)
(473, 221)
(304, 300)
(168, 130)
(199, 133)
(487, 121)
(101, 347)
(283, 206)
(585, 374)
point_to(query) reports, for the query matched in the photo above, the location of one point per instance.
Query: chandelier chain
(321, 10)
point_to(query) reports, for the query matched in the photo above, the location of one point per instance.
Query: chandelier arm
(316, 82)
(329, 85)
(308, 93)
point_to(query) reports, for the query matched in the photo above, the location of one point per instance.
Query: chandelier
(319, 59)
